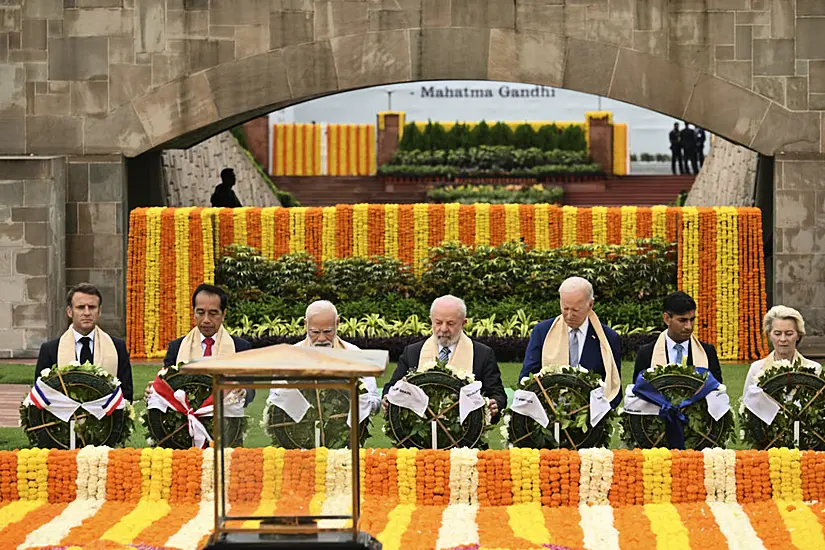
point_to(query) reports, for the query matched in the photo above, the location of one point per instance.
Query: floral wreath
(83, 392)
(170, 428)
(329, 411)
(677, 383)
(798, 390)
(564, 394)
(442, 383)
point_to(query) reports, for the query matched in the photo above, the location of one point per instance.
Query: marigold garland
(720, 260)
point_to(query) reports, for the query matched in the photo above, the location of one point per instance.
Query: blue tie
(444, 355)
(679, 354)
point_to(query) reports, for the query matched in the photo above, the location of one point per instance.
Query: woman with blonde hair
(785, 329)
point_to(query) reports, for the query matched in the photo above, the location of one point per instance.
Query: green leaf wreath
(329, 411)
(442, 384)
(677, 383)
(564, 393)
(82, 383)
(170, 429)
(800, 393)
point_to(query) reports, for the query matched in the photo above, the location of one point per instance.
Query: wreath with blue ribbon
(683, 421)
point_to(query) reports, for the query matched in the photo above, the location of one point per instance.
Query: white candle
(434, 428)
(71, 435)
(796, 434)
(317, 434)
(556, 434)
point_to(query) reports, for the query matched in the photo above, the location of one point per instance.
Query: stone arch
(196, 106)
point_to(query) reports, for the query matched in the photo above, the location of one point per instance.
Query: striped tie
(444, 355)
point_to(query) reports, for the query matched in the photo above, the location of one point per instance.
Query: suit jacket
(174, 347)
(485, 370)
(591, 357)
(645, 354)
(47, 358)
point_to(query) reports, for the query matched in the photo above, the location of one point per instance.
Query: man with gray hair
(577, 338)
(321, 321)
(448, 315)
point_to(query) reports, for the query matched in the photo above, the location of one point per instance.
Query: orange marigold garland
(498, 230)
(688, 476)
(195, 249)
(299, 476)
(559, 472)
(62, 467)
(527, 219)
(8, 476)
(376, 222)
(253, 228)
(554, 215)
(614, 226)
(644, 223)
(245, 476)
(437, 218)
(467, 224)
(343, 222)
(433, 477)
(226, 223)
(584, 226)
(626, 489)
(406, 237)
(123, 471)
(281, 232)
(753, 480)
(494, 479)
(314, 220)
(703, 530)
(167, 315)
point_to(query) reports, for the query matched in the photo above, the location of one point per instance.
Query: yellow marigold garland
(482, 223)
(656, 475)
(208, 230)
(628, 224)
(569, 220)
(421, 236)
(360, 230)
(391, 230)
(328, 230)
(268, 232)
(599, 216)
(727, 285)
(542, 221)
(33, 474)
(405, 463)
(320, 495)
(786, 473)
(297, 229)
(451, 222)
(512, 223)
(240, 230)
(182, 269)
(524, 471)
(690, 251)
(659, 217)
(151, 321)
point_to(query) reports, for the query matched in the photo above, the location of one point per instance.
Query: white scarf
(461, 358)
(192, 347)
(697, 352)
(104, 353)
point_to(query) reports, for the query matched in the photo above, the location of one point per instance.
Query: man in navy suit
(582, 337)
(209, 337)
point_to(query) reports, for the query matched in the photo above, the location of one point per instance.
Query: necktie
(444, 355)
(574, 347)
(208, 351)
(86, 351)
(679, 354)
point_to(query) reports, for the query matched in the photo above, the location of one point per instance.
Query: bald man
(321, 321)
(448, 315)
(577, 338)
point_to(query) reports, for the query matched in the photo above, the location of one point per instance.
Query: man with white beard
(448, 315)
(321, 320)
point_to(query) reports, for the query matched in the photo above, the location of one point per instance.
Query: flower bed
(523, 498)
(721, 259)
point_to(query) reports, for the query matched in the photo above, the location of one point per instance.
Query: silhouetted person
(687, 138)
(700, 145)
(676, 150)
(224, 196)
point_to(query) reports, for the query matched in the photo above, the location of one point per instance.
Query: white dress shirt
(78, 346)
(203, 344)
(671, 349)
(582, 335)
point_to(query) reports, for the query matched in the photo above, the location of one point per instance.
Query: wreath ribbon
(164, 397)
(63, 407)
(671, 414)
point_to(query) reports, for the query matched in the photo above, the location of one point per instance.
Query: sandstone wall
(727, 178)
(190, 175)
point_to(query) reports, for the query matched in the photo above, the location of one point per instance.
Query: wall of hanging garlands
(172, 250)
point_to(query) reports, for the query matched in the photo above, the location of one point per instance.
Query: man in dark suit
(687, 139)
(224, 196)
(448, 315)
(678, 340)
(676, 150)
(584, 344)
(209, 337)
(84, 341)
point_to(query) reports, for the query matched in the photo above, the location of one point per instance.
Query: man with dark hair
(700, 145)
(678, 344)
(687, 139)
(676, 150)
(209, 337)
(85, 342)
(224, 196)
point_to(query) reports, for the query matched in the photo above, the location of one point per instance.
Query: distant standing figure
(687, 137)
(224, 196)
(700, 145)
(676, 150)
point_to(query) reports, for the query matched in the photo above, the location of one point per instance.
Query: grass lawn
(13, 438)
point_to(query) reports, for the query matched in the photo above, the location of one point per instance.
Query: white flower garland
(56, 530)
(339, 473)
(596, 476)
(720, 475)
(597, 527)
(504, 429)
(463, 476)
(468, 377)
(458, 526)
(92, 473)
(188, 537)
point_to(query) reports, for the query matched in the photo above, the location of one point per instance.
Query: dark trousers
(690, 162)
(700, 154)
(676, 156)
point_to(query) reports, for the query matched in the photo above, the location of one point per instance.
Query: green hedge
(629, 282)
(434, 136)
(496, 194)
